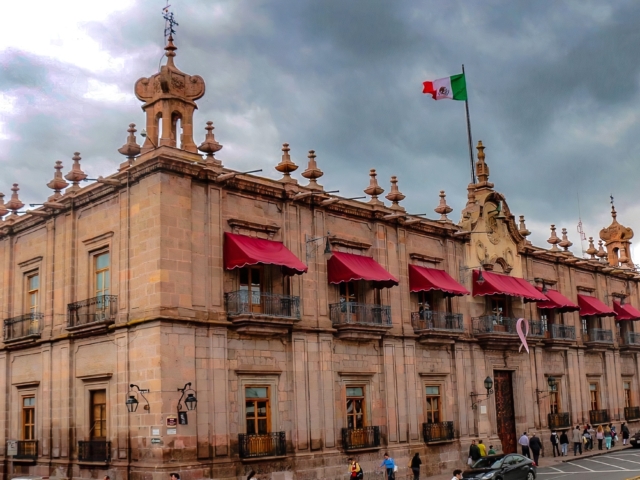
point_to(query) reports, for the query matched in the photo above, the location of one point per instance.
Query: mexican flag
(453, 88)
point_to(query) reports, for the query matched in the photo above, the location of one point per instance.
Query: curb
(606, 452)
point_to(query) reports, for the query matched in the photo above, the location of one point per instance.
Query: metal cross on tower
(170, 22)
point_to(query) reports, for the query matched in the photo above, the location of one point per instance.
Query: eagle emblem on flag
(444, 91)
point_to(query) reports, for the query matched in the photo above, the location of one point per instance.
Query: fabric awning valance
(592, 306)
(626, 311)
(241, 251)
(423, 279)
(346, 267)
(558, 301)
(496, 284)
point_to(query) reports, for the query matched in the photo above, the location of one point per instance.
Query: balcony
(433, 326)
(27, 450)
(438, 432)
(97, 312)
(597, 417)
(360, 438)
(24, 327)
(558, 421)
(262, 445)
(501, 331)
(598, 337)
(360, 321)
(560, 335)
(630, 341)
(262, 312)
(94, 451)
(631, 413)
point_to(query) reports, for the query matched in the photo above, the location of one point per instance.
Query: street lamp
(132, 401)
(488, 385)
(191, 401)
(551, 382)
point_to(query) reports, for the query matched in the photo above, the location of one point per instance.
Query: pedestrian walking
(555, 442)
(625, 433)
(586, 438)
(607, 437)
(524, 443)
(389, 466)
(564, 443)
(535, 445)
(483, 449)
(491, 450)
(355, 470)
(576, 438)
(600, 436)
(614, 435)
(415, 466)
(474, 453)
(592, 433)
(457, 475)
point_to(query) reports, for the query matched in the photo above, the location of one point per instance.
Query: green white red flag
(453, 88)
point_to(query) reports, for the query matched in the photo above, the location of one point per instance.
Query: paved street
(614, 466)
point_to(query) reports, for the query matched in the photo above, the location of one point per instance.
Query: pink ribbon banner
(521, 334)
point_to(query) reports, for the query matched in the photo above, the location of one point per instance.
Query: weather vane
(169, 21)
(611, 197)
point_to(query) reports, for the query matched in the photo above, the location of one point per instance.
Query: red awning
(422, 279)
(345, 267)
(240, 251)
(626, 311)
(496, 284)
(592, 306)
(558, 301)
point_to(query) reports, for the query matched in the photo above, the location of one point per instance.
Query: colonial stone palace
(181, 316)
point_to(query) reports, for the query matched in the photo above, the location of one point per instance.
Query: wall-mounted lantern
(191, 401)
(551, 382)
(488, 384)
(132, 400)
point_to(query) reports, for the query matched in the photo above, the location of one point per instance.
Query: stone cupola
(169, 98)
(617, 241)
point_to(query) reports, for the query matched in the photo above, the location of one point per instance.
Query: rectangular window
(499, 307)
(355, 407)
(434, 405)
(102, 281)
(554, 399)
(425, 305)
(258, 410)
(98, 415)
(28, 418)
(594, 396)
(251, 283)
(33, 291)
(349, 292)
(585, 325)
(627, 394)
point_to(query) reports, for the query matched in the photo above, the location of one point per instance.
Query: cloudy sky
(553, 93)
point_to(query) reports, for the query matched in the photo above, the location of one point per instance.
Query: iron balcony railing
(494, 324)
(355, 438)
(433, 320)
(360, 314)
(437, 432)
(597, 417)
(243, 302)
(559, 420)
(29, 325)
(27, 450)
(536, 329)
(94, 451)
(632, 338)
(262, 445)
(632, 413)
(562, 332)
(600, 335)
(101, 309)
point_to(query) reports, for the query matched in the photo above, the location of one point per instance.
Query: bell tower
(617, 240)
(169, 102)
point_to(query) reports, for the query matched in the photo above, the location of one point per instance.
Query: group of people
(531, 446)
(389, 467)
(580, 437)
(479, 450)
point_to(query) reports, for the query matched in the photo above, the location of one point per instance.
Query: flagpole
(466, 107)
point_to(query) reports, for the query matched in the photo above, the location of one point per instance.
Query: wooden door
(505, 412)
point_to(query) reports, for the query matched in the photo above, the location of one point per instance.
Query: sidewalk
(551, 461)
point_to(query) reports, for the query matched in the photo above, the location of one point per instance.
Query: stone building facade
(308, 327)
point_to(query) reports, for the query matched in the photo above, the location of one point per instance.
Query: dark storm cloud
(553, 91)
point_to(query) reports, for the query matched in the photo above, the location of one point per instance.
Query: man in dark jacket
(474, 451)
(535, 445)
(554, 443)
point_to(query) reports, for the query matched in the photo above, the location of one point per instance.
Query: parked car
(634, 440)
(511, 466)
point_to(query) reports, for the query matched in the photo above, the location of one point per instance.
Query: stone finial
(482, 169)
(374, 189)
(286, 166)
(443, 209)
(395, 196)
(131, 148)
(601, 253)
(57, 183)
(14, 204)
(553, 239)
(210, 146)
(522, 228)
(76, 175)
(565, 243)
(3, 208)
(170, 50)
(591, 251)
(312, 173)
